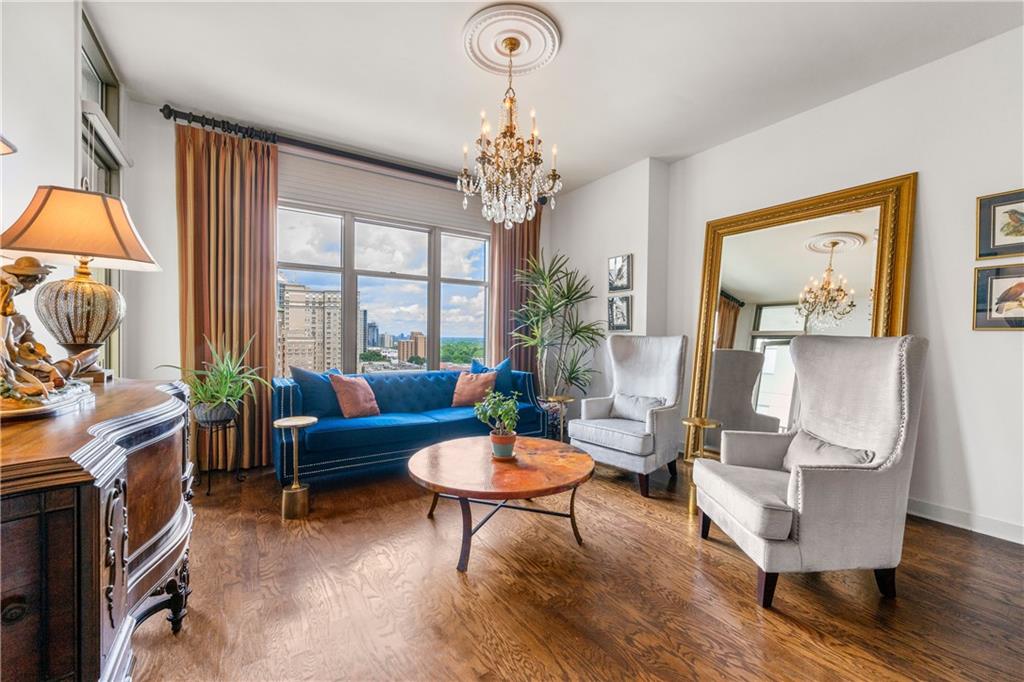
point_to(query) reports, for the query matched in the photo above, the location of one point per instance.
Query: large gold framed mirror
(838, 263)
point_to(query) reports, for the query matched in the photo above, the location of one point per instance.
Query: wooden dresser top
(31, 447)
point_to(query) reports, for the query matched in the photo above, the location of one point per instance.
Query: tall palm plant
(549, 323)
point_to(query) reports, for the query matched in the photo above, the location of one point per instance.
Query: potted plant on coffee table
(216, 392)
(501, 413)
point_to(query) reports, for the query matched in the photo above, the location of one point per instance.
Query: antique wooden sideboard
(95, 520)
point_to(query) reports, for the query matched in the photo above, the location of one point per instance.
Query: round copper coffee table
(464, 470)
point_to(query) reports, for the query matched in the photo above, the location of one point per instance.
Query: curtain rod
(725, 294)
(273, 137)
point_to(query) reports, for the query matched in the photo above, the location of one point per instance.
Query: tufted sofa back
(413, 391)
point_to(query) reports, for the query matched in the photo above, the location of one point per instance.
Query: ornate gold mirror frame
(894, 198)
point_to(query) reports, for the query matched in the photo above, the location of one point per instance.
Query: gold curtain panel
(227, 215)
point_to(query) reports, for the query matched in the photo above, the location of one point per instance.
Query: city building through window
(400, 297)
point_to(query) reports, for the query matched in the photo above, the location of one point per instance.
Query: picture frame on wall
(620, 313)
(999, 297)
(1000, 225)
(620, 273)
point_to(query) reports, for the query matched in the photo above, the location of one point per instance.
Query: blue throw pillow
(318, 396)
(502, 382)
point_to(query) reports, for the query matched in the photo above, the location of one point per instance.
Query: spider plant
(549, 323)
(224, 381)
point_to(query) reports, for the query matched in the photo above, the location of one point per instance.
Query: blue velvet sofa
(415, 411)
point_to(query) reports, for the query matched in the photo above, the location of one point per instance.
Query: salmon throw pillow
(355, 397)
(472, 388)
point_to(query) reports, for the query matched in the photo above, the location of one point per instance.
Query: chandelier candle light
(509, 174)
(824, 304)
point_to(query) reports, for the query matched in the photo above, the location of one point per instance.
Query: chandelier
(509, 172)
(824, 304)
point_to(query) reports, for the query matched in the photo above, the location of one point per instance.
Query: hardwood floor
(366, 589)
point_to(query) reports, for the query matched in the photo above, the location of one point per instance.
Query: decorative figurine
(31, 382)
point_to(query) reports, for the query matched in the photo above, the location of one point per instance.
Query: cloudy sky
(397, 306)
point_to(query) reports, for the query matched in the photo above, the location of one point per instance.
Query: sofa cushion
(354, 396)
(457, 422)
(412, 391)
(756, 498)
(635, 407)
(503, 381)
(331, 433)
(626, 435)
(318, 396)
(808, 449)
(472, 388)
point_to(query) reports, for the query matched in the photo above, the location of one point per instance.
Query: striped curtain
(227, 222)
(510, 250)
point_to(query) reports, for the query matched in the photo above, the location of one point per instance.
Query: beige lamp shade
(6, 147)
(63, 225)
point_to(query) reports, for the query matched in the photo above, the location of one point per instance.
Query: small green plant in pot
(501, 413)
(216, 392)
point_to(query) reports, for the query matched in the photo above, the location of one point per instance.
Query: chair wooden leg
(886, 579)
(644, 487)
(705, 523)
(766, 587)
(673, 471)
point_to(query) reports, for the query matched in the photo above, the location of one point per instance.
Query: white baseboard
(964, 519)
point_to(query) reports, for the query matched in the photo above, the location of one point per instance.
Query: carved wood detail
(69, 477)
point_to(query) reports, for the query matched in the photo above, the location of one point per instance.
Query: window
(99, 169)
(310, 301)
(463, 300)
(98, 82)
(778, 318)
(774, 327)
(403, 297)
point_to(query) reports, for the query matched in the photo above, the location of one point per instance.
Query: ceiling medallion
(844, 241)
(484, 36)
(508, 170)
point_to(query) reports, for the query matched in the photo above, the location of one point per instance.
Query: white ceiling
(631, 80)
(772, 265)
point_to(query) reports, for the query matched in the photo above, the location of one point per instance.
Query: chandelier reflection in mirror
(823, 304)
(509, 173)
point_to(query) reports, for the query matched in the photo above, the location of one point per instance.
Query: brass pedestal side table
(699, 423)
(561, 401)
(295, 498)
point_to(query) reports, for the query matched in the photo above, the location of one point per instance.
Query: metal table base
(469, 530)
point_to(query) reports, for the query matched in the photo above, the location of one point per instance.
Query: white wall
(39, 114)
(958, 122)
(150, 331)
(625, 212)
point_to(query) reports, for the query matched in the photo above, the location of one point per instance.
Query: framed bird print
(999, 297)
(620, 313)
(1001, 224)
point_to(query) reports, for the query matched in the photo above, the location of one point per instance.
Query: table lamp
(78, 227)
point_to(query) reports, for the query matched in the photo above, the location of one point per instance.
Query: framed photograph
(620, 313)
(620, 273)
(999, 297)
(1001, 225)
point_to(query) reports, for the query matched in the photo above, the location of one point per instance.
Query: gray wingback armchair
(730, 398)
(832, 494)
(638, 427)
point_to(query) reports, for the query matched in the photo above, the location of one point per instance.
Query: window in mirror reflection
(779, 318)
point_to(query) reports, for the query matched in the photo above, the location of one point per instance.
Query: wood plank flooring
(366, 589)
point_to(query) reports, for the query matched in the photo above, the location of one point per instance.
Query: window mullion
(350, 288)
(434, 301)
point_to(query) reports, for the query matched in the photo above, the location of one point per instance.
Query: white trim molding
(1004, 530)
